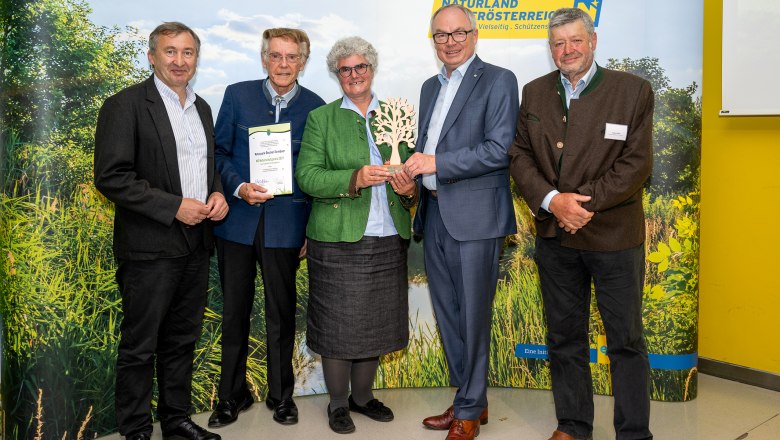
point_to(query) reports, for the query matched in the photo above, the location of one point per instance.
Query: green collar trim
(598, 77)
(595, 81)
(561, 93)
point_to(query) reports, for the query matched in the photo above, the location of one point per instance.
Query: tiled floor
(723, 410)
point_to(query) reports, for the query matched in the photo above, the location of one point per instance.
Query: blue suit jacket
(247, 104)
(474, 196)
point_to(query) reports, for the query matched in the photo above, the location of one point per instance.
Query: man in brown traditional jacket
(582, 154)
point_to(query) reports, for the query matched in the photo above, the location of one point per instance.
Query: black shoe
(340, 421)
(285, 411)
(226, 411)
(188, 430)
(139, 436)
(374, 409)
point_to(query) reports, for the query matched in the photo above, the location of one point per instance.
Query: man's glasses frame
(457, 36)
(292, 58)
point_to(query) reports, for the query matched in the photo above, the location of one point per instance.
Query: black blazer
(136, 168)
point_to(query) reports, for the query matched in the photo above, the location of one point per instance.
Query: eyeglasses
(346, 71)
(291, 58)
(457, 36)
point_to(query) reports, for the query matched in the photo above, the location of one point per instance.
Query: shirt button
(559, 144)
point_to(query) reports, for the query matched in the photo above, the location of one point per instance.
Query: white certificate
(270, 158)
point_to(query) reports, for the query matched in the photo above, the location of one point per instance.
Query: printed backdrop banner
(509, 19)
(61, 309)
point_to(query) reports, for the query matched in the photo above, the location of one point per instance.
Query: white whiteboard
(751, 57)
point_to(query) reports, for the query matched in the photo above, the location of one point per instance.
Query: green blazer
(334, 147)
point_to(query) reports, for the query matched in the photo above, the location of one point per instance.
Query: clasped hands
(192, 211)
(567, 209)
(400, 181)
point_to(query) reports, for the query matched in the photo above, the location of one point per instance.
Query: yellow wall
(739, 317)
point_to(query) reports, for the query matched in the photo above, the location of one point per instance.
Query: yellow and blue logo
(512, 19)
(592, 7)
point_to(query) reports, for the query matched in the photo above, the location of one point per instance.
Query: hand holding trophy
(395, 123)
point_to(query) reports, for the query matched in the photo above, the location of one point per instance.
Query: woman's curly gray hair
(349, 46)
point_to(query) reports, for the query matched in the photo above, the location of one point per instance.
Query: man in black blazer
(154, 159)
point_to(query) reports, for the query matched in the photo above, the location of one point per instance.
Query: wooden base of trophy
(392, 169)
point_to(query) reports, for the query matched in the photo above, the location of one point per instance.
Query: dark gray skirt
(358, 297)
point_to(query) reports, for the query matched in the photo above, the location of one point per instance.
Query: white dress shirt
(190, 141)
(447, 91)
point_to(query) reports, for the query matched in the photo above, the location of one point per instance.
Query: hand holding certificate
(254, 194)
(270, 158)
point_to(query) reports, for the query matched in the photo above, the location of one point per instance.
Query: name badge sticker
(616, 132)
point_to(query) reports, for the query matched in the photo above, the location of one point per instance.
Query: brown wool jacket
(567, 150)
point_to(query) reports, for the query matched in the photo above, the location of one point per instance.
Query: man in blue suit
(262, 229)
(468, 114)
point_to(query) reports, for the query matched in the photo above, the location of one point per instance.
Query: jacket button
(392, 202)
(559, 144)
(335, 205)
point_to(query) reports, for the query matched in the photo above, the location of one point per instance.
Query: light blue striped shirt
(447, 91)
(380, 222)
(582, 84)
(190, 141)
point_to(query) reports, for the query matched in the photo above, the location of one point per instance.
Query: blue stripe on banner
(657, 361)
(673, 361)
(531, 351)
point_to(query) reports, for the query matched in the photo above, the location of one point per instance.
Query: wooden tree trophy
(395, 123)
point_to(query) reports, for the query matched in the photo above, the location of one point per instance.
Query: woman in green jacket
(358, 236)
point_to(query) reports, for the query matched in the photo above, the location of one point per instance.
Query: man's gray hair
(346, 47)
(297, 36)
(465, 10)
(171, 29)
(564, 16)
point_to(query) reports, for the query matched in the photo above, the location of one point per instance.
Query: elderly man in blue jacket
(264, 229)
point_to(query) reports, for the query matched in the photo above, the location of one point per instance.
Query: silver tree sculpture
(395, 123)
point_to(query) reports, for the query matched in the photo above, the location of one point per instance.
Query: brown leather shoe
(463, 430)
(443, 421)
(558, 435)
